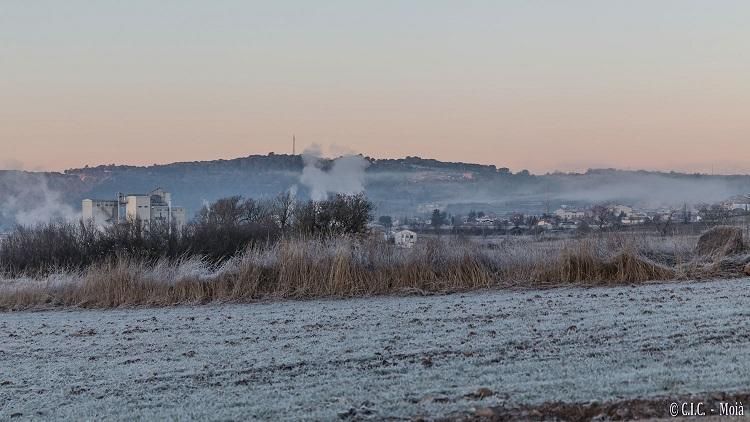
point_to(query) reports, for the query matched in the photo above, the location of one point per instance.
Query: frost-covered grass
(377, 358)
(349, 267)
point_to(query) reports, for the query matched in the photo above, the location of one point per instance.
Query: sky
(527, 84)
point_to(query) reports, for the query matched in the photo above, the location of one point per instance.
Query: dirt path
(379, 357)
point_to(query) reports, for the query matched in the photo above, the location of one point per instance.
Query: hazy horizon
(14, 165)
(542, 86)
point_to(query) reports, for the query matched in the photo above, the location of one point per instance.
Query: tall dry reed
(346, 267)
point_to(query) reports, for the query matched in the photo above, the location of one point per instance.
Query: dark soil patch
(615, 410)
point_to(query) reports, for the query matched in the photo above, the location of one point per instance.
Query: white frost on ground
(382, 357)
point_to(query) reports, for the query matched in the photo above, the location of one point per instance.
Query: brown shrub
(629, 266)
(720, 241)
(576, 265)
(584, 266)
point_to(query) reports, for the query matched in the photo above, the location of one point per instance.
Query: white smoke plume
(26, 199)
(346, 174)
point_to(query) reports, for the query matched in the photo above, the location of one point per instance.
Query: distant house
(619, 210)
(634, 218)
(570, 214)
(739, 202)
(405, 238)
(544, 224)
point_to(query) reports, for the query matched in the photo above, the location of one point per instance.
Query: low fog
(647, 189)
(530, 193)
(405, 187)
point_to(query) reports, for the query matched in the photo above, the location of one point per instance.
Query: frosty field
(379, 358)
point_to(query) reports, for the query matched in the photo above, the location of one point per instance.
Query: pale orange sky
(542, 85)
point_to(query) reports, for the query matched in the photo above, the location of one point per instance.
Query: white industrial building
(150, 209)
(100, 212)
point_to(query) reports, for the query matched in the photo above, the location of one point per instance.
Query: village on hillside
(610, 216)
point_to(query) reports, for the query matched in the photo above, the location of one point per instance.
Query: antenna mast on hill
(294, 145)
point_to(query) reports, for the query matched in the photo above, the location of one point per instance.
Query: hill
(405, 186)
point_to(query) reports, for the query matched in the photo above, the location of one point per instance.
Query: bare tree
(601, 216)
(346, 213)
(282, 209)
(306, 218)
(224, 212)
(664, 222)
(438, 219)
(233, 211)
(253, 211)
(342, 214)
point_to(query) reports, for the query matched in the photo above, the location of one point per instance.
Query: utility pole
(294, 145)
(119, 203)
(169, 217)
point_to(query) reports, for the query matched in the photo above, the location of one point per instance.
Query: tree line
(219, 231)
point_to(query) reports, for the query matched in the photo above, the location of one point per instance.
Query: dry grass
(721, 241)
(720, 252)
(354, 267)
